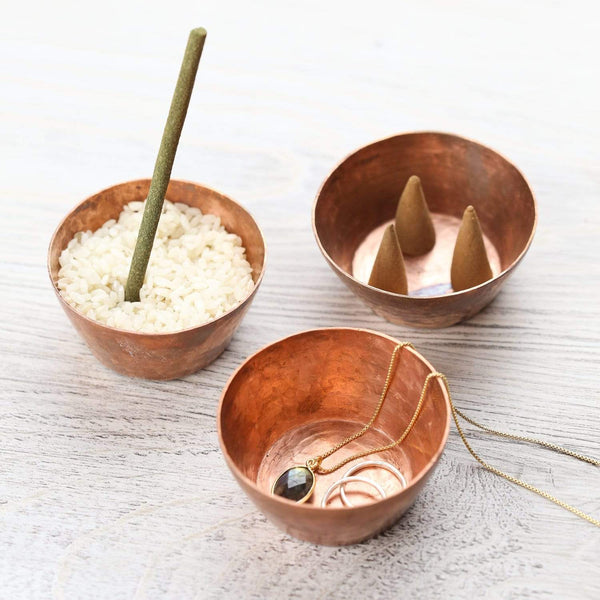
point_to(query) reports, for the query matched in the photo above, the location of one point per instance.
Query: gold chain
(315, 463)
(456, 413)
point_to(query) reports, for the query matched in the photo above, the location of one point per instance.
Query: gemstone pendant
(295, 484)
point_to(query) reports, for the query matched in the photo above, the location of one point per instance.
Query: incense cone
(413, 221)
(389, 272)
(470, 265)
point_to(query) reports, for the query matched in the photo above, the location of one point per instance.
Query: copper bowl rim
(162, 334)
(424, 298)
(310, 507)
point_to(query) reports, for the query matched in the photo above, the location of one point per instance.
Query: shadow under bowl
(360, 196)
(160, 355)
(300, 396)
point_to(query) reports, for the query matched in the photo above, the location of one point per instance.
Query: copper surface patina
(161, 355)
(302, 395)
(360, 196)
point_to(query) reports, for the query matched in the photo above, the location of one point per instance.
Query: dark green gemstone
(295, 484)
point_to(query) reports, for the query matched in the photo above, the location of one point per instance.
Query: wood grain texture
(115, 488)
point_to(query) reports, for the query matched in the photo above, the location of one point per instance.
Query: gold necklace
(298, 483)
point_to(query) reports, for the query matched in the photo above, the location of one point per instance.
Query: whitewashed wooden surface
(115, 488)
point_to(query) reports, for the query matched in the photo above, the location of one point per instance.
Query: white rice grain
(197, 271)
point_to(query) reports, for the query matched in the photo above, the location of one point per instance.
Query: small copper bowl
(361, 195)
(300, 396)
(161, 355)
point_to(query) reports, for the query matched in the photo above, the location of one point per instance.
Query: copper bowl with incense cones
(305, 393)
(158, 355)
(358, 201)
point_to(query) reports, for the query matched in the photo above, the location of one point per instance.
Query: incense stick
(164, 164)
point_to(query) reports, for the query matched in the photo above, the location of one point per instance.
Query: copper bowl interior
(362, 193)
(158, 355)
(302, 395)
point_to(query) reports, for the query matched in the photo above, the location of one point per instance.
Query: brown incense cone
(389, 272)
(413, 221)
(470, 265)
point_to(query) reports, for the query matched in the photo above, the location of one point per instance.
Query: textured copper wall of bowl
(312, 379)
(164, 355)
(363, 191)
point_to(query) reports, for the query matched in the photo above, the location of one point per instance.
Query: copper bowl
(303, 394)
(161, 355)
(360, 197)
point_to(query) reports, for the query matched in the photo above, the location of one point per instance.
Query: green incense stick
(164, 164)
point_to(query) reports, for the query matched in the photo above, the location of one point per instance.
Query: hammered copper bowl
(163, 355)
(302, 395)
(360, 197)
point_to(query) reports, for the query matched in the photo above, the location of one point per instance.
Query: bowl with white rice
(206, 265)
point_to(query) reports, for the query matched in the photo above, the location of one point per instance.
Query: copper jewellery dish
(359, 199)
(302, 394)
(161, 355)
